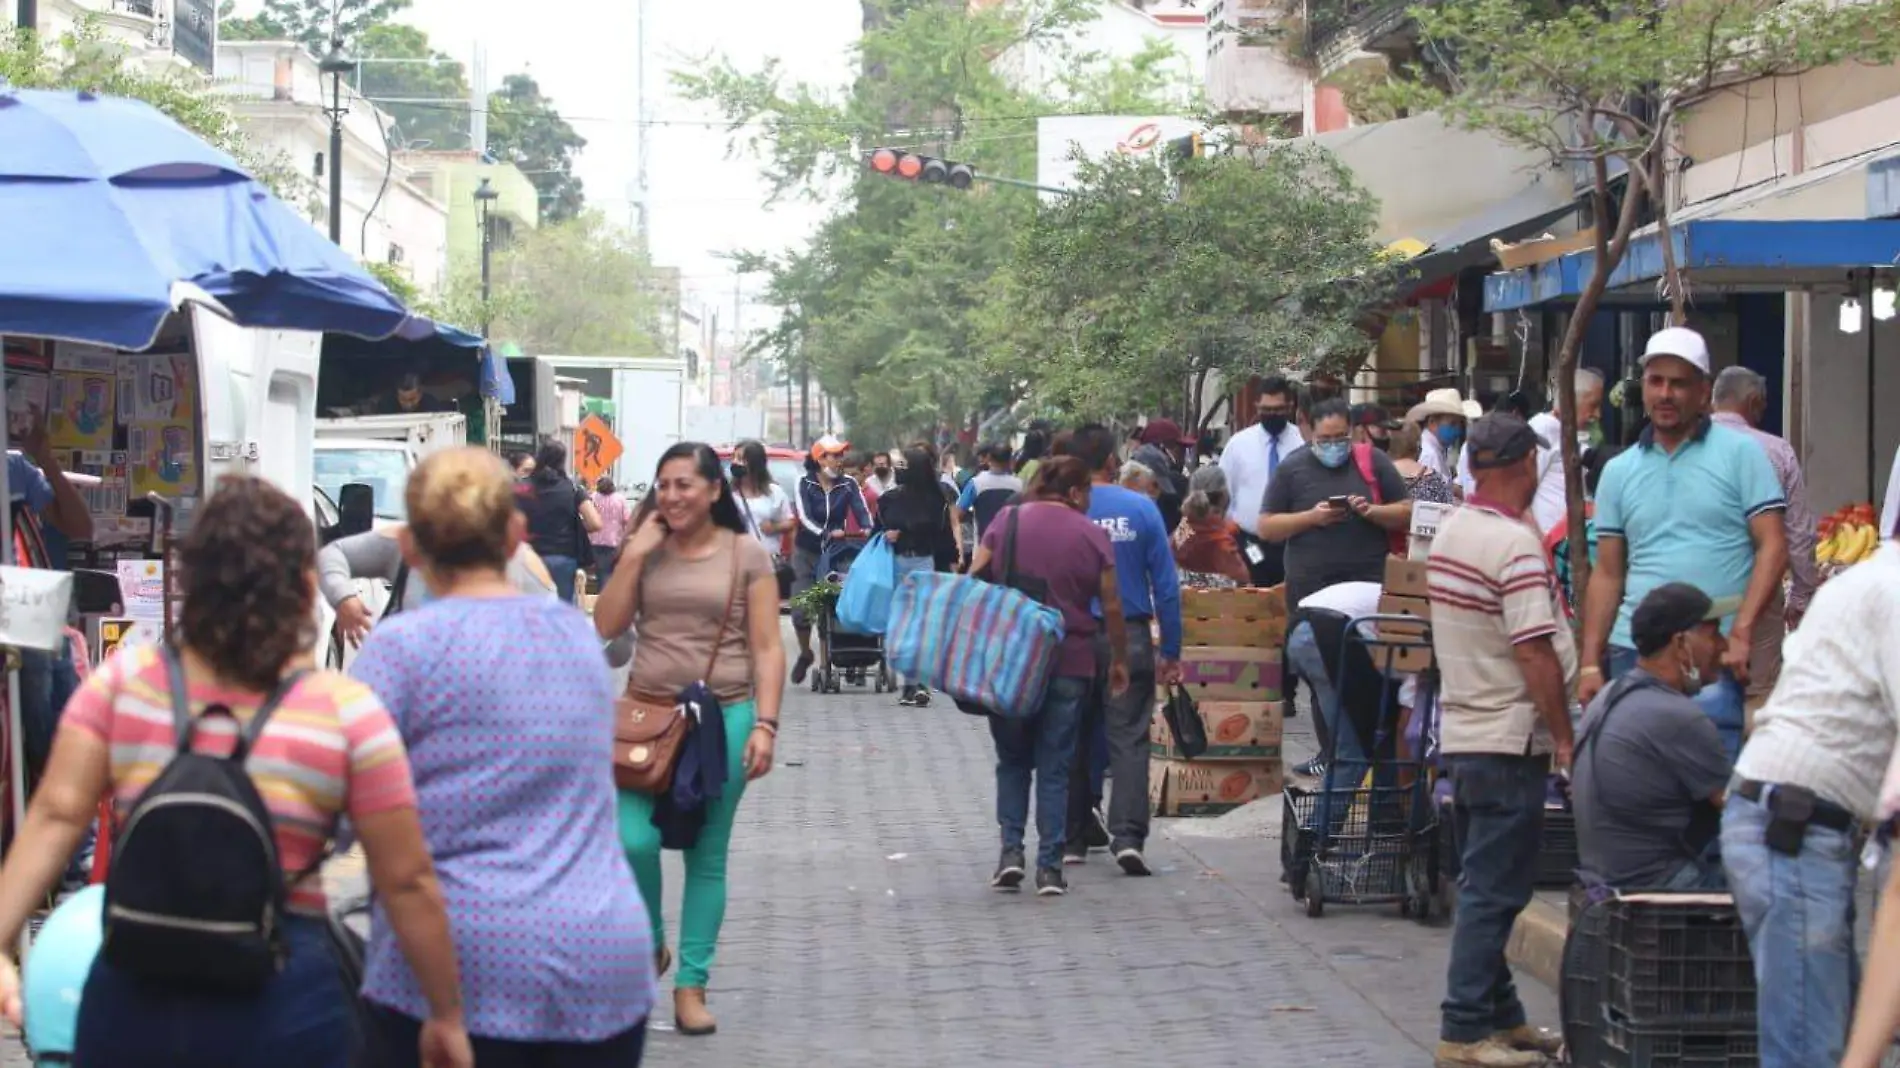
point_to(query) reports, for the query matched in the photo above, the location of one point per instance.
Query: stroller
(843, 656)
(1366, 836)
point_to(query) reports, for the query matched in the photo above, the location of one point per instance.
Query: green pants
(703, 907)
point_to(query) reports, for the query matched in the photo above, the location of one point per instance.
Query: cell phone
(1338, 502)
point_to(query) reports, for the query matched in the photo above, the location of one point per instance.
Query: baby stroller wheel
(877, 684)
(1315, 893)
(834, 682)
(885, 679)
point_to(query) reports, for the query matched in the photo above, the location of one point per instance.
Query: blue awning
(1759, 254)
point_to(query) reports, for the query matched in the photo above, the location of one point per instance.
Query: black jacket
(920, 516)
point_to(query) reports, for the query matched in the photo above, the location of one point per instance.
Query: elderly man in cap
(1506, 666)
(1692, 500)
(1650, 769)
(1163, 450)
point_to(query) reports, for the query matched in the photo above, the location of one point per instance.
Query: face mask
(1382, 444)
(1449, 434)
(883, 472)
(1332, 453)
(1274, 425)
(738, 470)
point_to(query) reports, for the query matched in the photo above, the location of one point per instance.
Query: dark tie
(1273, 457)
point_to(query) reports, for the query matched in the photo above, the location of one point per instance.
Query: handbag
(864, 604)
(648, 731)
(1184, 721)
(1399, 542)
(989, 646)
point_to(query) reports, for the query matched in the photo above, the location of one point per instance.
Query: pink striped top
(330, 749)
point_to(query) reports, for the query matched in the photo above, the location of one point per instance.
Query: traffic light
(917, 168)
(1189, 147)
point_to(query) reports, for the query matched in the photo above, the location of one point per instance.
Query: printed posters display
(142, 588)
(162, 460)
(120, 633)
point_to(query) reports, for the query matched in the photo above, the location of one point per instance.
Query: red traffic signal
(917, 168)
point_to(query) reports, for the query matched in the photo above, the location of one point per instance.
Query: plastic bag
(864, 604)
(1184, 722)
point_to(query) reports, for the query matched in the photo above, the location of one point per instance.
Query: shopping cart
(843, 656)
(1367, 834)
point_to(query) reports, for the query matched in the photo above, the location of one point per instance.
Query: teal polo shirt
(1684, 516)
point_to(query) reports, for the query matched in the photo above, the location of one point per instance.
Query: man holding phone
(1323, 508)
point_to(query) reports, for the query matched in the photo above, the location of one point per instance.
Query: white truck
(648, 395)
(380, 451)
(723, 424)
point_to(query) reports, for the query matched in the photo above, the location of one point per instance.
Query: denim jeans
(47, 682)
(1799, 915)
(562, 570)
(1039, 746)
(1722, 700)
(1119, 724)
(1498, 809)
(1303, 652)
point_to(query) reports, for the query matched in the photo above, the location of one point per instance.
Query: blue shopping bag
(864, 605)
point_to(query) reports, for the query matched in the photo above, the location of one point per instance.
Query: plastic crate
(1557, 856)
(1624, 1045)
(1580, 982)
(1679, 960)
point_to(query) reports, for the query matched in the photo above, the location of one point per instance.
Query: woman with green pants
(700, 591)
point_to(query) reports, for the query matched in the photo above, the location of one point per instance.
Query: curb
(1537, 941)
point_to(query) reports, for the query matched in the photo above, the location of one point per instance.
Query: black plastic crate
(1557, 857)
(1622, 1044)
(1679, 962)
(1580, 983)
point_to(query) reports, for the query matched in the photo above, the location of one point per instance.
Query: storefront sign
(120, 633)
(195, 33)
(33, 605)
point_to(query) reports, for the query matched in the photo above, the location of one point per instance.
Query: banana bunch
(1848, 543)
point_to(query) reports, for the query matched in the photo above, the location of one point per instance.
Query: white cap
(1680, 342)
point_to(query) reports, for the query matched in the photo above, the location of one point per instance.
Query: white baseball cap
(1680, 342)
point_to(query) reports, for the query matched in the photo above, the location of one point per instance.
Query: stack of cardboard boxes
(1404, 594)
(1231, 666)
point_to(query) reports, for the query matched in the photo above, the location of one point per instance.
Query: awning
(1791, 232)
(1471, 172)
(1759, 254)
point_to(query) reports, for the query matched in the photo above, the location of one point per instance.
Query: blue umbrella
(106, 205)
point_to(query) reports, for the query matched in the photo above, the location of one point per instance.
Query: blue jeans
(301, 1019)
(1723, 700)
(1302, 651)
(47, 682)
(911, 565)
(1799, 915)
(1498, 806)
(1042, 746)
(562, 569)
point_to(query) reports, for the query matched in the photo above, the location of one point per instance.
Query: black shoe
(1050, 883)
(801, 669)
(909, 700)
(1095, 835)
(1314, 768)
(1009, 870)
(1128, 855)
(1074, 854)
(921, 698)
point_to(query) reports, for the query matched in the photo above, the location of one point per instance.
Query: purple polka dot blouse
(506, 708)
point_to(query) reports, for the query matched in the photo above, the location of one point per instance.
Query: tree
(85, 59)
(578, 288)
(1127, 293)
(310, 23)
(1604, 83)
(526, 130)
(423, 75)
(883, 307)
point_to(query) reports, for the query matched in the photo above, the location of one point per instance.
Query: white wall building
(156, 31)
(281, 98)
(1124, 29)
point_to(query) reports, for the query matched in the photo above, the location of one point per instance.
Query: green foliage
(816, 599)
(310, 22)
(883, 306)
(1123, 294)
(394, 280)
(577, 288)
(85, 59)
(445, 125)
(526, 130)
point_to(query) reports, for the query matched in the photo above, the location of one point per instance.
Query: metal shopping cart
(1367, 834)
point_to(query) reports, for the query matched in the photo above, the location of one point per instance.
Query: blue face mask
(1332, 453)
(1450, 434)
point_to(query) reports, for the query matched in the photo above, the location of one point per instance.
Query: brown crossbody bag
(649, 731)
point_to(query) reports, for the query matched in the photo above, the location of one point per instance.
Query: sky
(583, 52)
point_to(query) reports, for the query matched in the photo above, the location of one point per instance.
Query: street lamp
(485, 197)
(335, 64)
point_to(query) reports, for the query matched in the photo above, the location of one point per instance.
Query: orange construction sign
(595, 448)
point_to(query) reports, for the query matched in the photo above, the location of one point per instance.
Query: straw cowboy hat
(1443, 402)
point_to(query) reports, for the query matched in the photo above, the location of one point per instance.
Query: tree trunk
(1659, 195)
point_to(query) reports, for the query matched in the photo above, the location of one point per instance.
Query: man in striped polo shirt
(1507, 667)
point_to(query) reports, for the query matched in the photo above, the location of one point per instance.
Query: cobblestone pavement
(861, 930)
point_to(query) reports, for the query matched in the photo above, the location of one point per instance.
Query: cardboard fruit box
(1236, 730)
(1231, 673)
(1406, 578)
(1405, 654)
(1179, 788)
(1243, 618)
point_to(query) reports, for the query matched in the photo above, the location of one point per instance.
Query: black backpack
(195, 895)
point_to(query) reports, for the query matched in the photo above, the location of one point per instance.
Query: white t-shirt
(774, 507)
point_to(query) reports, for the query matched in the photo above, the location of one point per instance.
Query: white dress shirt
(1244, 462)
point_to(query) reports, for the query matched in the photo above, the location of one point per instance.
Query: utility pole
(643, 138)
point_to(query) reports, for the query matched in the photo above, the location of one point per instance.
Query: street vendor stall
(132, 257)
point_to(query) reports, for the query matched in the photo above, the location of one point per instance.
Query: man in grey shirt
(377, 555)
(1322, 508)
(1650, 771)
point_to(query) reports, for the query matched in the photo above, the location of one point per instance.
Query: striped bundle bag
(989, 646)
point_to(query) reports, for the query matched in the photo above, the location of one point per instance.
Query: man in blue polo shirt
(1692, 502)
(1150, 590)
